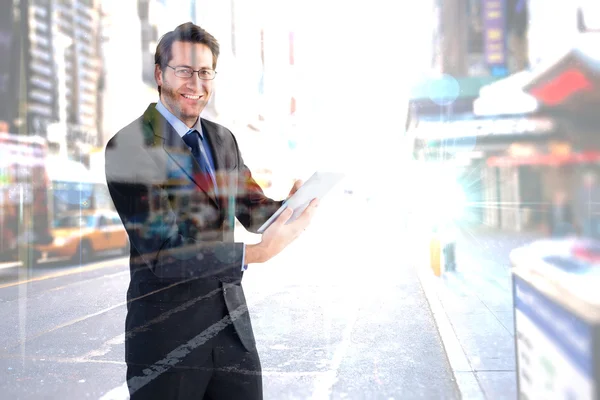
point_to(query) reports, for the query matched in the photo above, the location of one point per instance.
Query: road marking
(105, 348)
(109, 276)
(164, 316)
(324, 385)
(9, 265)
(72, 322)
(89, 268)
(462, 371)
(120, 339)
(118, 393)
(80, 319)
(65, 360)
(174, 357)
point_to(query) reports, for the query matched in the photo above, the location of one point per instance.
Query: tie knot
(191, 139)
(195, 134)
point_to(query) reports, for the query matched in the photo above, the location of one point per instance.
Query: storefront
(488, 147)
(554, 170)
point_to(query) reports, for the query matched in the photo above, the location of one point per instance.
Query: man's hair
(190, 33)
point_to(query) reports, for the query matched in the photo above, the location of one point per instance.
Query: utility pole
(454, 35)
(25, 207)
(8, 36)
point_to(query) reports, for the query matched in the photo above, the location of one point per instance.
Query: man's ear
(158, 75)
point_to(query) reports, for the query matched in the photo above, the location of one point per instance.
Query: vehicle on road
(36, 189)
(80, 235)
(24, 194)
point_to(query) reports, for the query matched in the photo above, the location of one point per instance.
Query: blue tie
(192, 139)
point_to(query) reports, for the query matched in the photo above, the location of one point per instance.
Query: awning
(480, 138)
(440, 89)
(483, 129)
(572, 81)
(546, 159)
(569, 82)
(445, 95)
(506, 97)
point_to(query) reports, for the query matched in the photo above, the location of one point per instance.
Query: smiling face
(185, 98)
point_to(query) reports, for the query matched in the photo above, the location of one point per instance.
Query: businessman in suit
(178, 182)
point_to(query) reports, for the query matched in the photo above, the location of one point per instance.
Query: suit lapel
(215, 142)
(216, 146)
(178, 151)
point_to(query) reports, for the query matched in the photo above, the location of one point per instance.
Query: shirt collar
(175, 122)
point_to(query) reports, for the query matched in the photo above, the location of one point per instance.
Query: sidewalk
(473, 310)
(9, 264)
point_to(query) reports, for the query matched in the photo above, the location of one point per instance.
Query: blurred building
(474, 43)
(130, 32)
(563, 85)
(529, 132)
(253, 94)
(9, 67)
(125, 94)
(254, 89)
(59, 40)
(255, 80)
(479, 37)
(39, 70)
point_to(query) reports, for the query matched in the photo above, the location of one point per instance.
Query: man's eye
(184, 71)
(205, 72)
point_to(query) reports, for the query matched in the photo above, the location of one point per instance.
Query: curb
(9, 264)
(464, 375)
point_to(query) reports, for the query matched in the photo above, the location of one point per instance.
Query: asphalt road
(340, 314)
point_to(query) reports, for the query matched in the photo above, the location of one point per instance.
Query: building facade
(39, 67)
(54, 72)
(478, 42)
(542, 146)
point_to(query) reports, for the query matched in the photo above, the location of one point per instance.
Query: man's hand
(279, 235)
(295, 188)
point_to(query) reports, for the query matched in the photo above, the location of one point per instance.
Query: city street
(340, 314)
(468, 141)
(473, 308)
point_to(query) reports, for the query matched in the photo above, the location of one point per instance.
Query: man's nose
(194, 81)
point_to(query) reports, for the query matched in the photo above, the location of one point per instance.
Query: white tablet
(316, 186)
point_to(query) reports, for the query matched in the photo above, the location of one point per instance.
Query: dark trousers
(229, 371)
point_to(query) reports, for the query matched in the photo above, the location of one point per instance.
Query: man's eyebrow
(189, 66)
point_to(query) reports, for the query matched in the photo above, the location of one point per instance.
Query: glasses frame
(194, 71)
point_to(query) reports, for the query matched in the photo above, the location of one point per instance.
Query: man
(560, 216)
(586, 207)
(188, 332)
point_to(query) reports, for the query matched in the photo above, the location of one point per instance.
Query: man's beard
(173, 99)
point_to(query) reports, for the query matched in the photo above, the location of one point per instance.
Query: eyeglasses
(186, 73)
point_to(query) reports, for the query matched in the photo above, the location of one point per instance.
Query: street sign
(483, 127)
(554, 347)
(494, 31)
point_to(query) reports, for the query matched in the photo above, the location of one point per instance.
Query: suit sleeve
(161, 238)
(253, 208)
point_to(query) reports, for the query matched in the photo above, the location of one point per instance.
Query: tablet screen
(316, 186)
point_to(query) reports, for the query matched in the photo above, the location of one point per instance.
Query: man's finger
(309, 211)
(314, 203)
(283, 217)
(296, 186)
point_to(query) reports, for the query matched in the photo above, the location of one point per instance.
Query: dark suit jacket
(185, 267)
